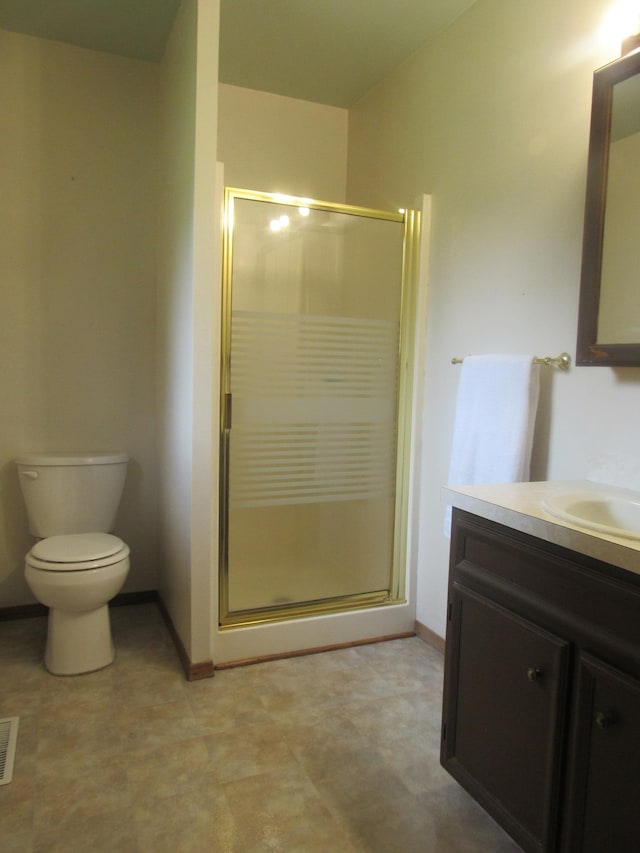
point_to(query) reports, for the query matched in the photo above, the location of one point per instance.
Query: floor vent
(8, 739)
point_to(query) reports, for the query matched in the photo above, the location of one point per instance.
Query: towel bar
(562, 361)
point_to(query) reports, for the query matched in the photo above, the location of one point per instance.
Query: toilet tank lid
(98, 458)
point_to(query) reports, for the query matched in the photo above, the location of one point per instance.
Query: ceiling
(326, 51)
(134, 28)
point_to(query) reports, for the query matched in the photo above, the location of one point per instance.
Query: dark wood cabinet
(603, 806)
(541, 715)
(506, 714)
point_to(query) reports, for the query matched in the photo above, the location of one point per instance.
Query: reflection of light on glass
(621, 19)
(303, 211)
(278, 224)
(401, 210)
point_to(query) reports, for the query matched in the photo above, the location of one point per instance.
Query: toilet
(77, 566)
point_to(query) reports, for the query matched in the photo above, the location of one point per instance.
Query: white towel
(495, 417)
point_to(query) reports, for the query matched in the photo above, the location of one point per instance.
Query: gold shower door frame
(394, 591)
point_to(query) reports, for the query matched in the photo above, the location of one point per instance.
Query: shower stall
(315, 388)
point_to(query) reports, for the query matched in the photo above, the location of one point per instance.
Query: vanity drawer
(597, 604)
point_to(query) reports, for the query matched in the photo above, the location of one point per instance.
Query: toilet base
(78, 641)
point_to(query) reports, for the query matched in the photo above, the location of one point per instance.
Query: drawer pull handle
(604, 720)
(534, 674)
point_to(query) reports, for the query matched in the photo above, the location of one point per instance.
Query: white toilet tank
(71, 493)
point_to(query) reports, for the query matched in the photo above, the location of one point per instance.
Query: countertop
(519, 506)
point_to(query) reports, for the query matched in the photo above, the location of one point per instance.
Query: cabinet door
(604, 791)
(505, 691)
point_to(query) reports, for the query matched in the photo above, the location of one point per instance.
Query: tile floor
(335, 752)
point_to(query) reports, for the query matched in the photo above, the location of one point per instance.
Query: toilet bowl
(75, 576)
(77, 566)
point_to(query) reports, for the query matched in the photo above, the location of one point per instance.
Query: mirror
(609, 315)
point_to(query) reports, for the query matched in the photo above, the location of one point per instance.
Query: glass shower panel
(313, 377)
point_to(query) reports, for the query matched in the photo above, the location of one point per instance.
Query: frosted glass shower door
(310, 402)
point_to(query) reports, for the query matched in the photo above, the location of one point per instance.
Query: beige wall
(495, 121)
(187, 328)
(207, 212)
(275, 144)
(77, 279)
(175, 310)
(107, 309)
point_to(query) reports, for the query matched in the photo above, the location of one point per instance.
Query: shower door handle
(227, 411)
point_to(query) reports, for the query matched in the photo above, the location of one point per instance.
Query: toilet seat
(77, 552)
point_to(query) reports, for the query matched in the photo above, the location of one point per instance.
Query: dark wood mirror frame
(589, 351)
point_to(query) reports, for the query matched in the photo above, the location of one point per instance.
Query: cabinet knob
(604, 719)
(534, 674)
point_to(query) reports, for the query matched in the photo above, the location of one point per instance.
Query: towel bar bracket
(561, 362)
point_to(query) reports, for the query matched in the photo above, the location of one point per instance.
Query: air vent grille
(8, 740)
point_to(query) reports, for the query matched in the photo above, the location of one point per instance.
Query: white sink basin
(615, 515)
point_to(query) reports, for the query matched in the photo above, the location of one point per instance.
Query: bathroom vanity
(541, 715)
